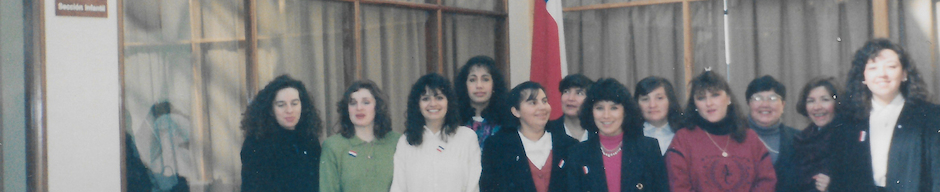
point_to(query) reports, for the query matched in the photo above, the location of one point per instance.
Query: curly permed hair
(712, 82)
(430, 84)
(492, 112)
(258, 120)
(858, 96)
(609, 89)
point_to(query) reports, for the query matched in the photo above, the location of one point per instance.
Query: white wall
(82, 98)
(520, 41)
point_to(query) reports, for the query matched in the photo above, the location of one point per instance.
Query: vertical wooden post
(502, 42)
(357, 35)
(435, 39)
(123, 118)
(251, 38)
(687, 38)
(880, 18)
(198, 96)
(439, 25)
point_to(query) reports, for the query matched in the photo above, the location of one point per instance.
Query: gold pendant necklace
(724, 153)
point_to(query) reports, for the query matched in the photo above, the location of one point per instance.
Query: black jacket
(912, 158)
(280, 161)
(506, 167)
(786, 167)
(558, 126)
(642, 168)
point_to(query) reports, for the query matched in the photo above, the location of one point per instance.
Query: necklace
(724, 153)
(612, 152)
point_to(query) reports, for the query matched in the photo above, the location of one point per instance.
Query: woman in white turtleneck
(660, 109)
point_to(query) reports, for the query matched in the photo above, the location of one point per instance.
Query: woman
(766, 99)
(715, 151)
(891, 137)
(360, 157)
(660, 108)
(281, 150)
(618, 157)
(436, 153)
(478, 83)
(572, 88)
(813, 153)
(526, 157)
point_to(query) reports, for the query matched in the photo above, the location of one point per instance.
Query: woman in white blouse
(435, 153)
(890, 143)
(660, 108)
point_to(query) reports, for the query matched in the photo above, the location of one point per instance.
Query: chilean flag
(549, 64)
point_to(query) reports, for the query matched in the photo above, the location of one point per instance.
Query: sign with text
(81, 8)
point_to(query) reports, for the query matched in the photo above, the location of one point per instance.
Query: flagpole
(727, 44)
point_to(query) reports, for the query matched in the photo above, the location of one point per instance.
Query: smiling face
(820, 106)
(287, 108)
(571, 100)
(766, 107)
(884, 74)
(608, 116)
(480, 85)
(533, 113)
(712, 106)
(362, 108)
(655, 106)
(433, 105)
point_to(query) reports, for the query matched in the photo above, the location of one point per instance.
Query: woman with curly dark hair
(660, 108)
(715, 151)
(616, 157)
(526, 156)
(891, 134)
(360, 157)
(281, 150)
(436, 153)
(480, 87)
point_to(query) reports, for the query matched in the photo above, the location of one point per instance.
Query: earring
(863, 82)
(696, 109)
(905, 79)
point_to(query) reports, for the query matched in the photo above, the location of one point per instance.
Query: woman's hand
(822, 181)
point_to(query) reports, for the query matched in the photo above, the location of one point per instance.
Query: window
(192, 66)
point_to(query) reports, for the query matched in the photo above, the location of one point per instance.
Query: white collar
(647, 127)
(537, 151)
(428, 130)
(895, 103)
(584, 136)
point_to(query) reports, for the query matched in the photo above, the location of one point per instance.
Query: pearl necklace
(612, 152)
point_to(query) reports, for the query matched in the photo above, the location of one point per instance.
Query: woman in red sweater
(715, 151)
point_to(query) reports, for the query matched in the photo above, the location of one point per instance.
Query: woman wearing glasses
(766, 99)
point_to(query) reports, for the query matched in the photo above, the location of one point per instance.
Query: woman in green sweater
(360, 157)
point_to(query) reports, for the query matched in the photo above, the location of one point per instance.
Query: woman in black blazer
(611, 114)
(524, 156)
(890, 143)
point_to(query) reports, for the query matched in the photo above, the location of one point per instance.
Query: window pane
(394, 53)
(184, 71)
(306, 40)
